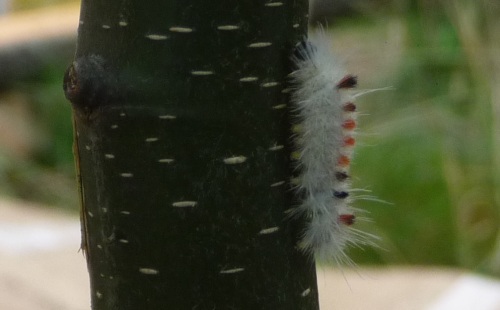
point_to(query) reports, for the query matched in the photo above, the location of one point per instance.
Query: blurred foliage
(430, 147)
(43, 169)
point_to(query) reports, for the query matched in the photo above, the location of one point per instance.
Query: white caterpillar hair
(324, 136)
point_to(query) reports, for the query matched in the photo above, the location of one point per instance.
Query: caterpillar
(324, 136)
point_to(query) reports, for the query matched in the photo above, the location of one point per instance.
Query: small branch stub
(88, 84)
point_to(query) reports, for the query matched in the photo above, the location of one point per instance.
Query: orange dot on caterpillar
(349, 141)
(349, 124)
(347, 219)
(344, 161)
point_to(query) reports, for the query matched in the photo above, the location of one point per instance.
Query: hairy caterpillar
(324, 136)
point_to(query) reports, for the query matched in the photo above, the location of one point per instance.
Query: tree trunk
(182, 145)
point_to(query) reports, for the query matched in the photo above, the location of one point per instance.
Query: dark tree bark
(182, 144)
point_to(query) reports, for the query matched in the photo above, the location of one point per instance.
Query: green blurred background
(429, 147)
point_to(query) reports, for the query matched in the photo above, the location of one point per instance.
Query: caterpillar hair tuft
(325, 123)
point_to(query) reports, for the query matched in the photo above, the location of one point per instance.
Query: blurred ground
(41, 269)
